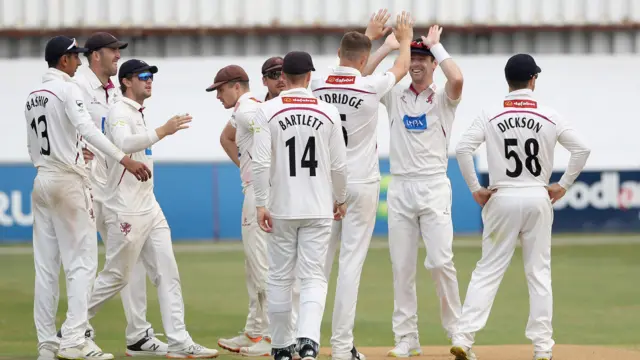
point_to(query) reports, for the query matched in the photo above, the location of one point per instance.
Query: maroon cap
(101, 40)
(272, 64)
(226, 74)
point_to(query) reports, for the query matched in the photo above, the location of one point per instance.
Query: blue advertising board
(598, 202)
(203, 201)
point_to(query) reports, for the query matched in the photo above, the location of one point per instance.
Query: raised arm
(400, 39)
(450, 69)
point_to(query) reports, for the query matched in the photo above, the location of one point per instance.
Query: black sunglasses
(273, 75)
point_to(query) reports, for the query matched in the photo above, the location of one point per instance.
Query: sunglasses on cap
(273, 75)
(145, 76)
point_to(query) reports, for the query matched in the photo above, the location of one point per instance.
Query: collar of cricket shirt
(413, 90)
(132, 103)
(346, 70)
(92, 77)
(296, 91)
(53, 73)
(521, 93)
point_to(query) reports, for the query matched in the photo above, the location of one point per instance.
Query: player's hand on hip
(376, 28)
(339, 210)
(177, 123)
(556, 192)
(433, 37)
(264, 218)
(138, 169)
(404, 28)
(87, 155)
(482, 196)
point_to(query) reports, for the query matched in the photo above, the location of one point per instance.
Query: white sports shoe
(353, 355)
(543, 356)
(47, 352)
(463, 353)
(194, 351)
(85, 351)
(234, 344)
(147, 346)
(261, 348)
(406, 347)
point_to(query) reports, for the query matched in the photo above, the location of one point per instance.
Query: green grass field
(597, 299)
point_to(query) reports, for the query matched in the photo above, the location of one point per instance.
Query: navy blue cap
(297, 62)
(135, 66)
(61, 45)
(521, 67)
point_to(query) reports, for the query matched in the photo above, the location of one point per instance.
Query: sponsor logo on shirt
(299, 100)
(341, 80)
(525, 104)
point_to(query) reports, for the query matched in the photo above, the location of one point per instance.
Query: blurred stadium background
(588, 50)
(589, 53)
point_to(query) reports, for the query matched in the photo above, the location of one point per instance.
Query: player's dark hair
(354, 44)
(123, 87)
(517, 84)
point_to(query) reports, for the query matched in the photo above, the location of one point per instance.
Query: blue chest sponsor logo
(415, 123)
(148, 151)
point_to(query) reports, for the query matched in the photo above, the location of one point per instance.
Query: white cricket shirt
(521, 136)
(57, 122)
(127, 129)
(98, 98)
(299, 151)
(357, 100)
(420, 130)
(242, 120)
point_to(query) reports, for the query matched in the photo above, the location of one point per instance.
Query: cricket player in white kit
(64, 222)
(232, 88)
(100, 93)
(521, 135)
(299, 164)
(357, 98)
(419, 195)
(136, 226)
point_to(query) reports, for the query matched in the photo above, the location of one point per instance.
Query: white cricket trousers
(510, 216)
(256, 267)
(64, 230)
(421, 207)
(146, 237)
(353, 236)
(134, 295)
(297, 245)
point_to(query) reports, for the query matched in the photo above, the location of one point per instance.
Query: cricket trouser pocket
(421, 208)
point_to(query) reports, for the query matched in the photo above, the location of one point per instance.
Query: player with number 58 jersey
(521, 135)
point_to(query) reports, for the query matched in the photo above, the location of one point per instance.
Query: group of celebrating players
(309, 168)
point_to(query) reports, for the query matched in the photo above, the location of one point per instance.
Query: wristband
(439, 52)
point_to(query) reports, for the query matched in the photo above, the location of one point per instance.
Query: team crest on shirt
(125, 228)
(341, 80)
(430, 98)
